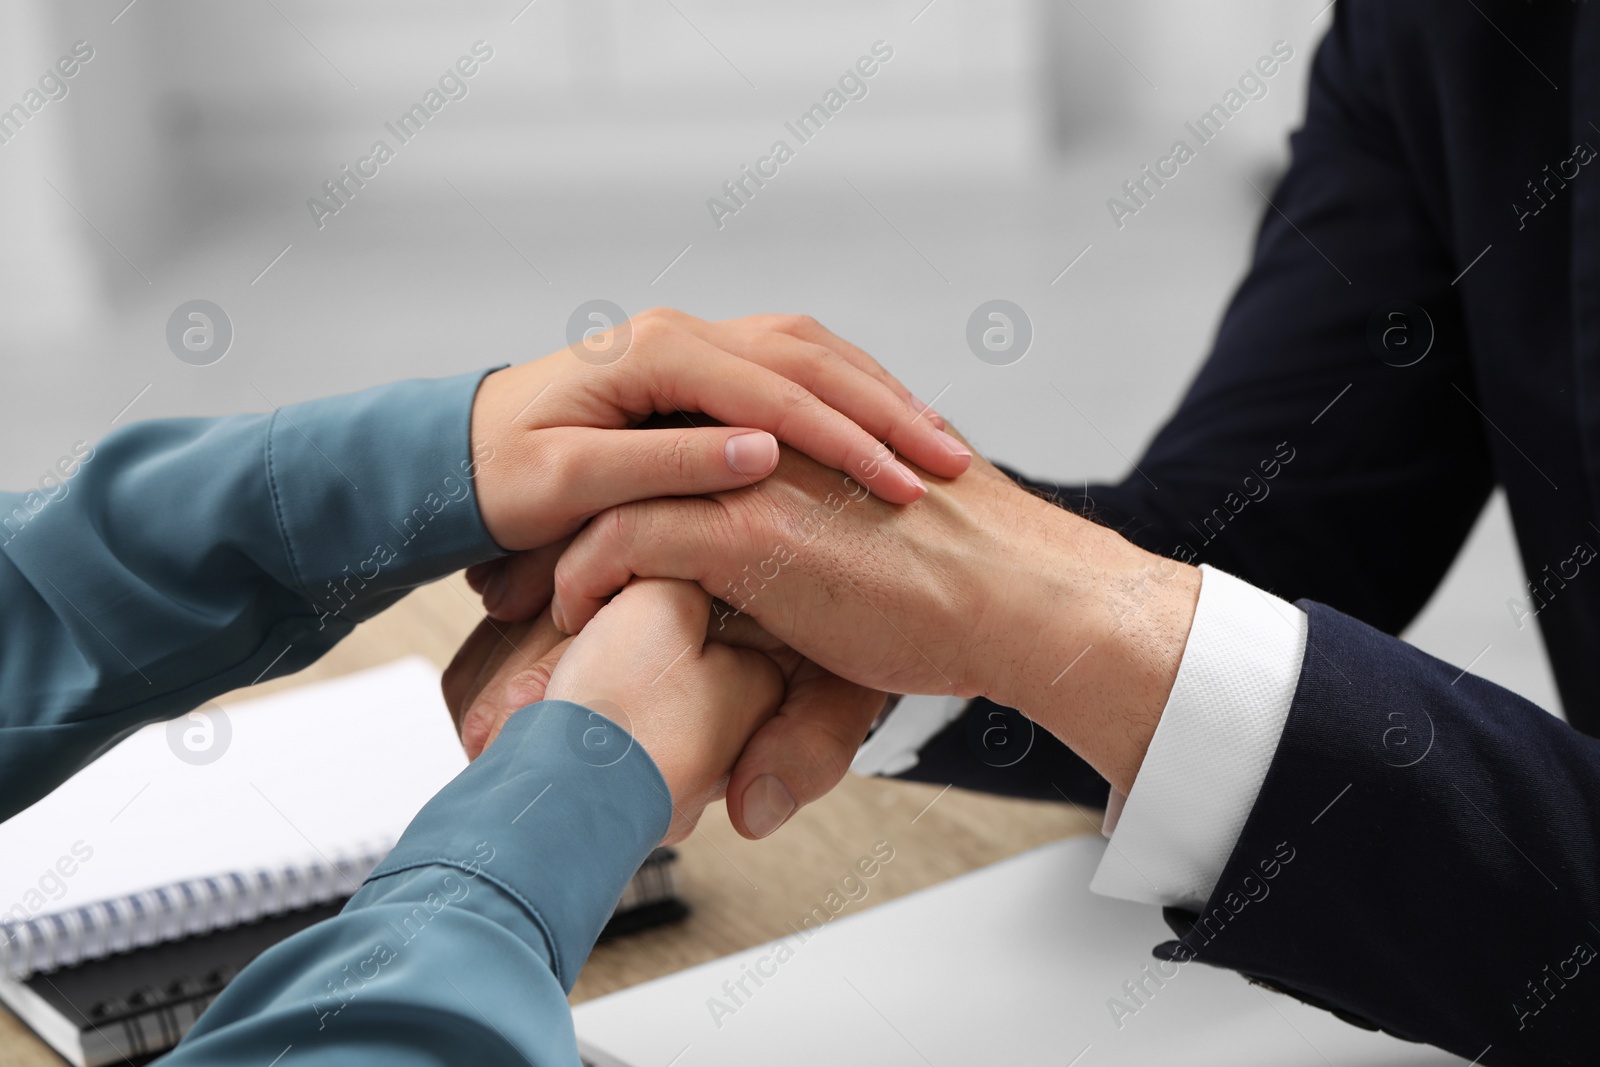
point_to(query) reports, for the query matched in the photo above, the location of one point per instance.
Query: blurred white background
(578, 165)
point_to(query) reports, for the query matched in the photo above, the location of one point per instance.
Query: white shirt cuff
(1211, 749)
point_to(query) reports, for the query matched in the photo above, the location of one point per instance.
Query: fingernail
(953, 446)
(559, 617)
(927, 412)
(899, 472)
(767, 803)
(495, 591)
(751, 453)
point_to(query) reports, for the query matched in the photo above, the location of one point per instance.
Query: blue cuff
(557, 814)
(375, 492)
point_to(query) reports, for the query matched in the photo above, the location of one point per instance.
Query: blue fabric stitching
(277, 512)
(527, 905)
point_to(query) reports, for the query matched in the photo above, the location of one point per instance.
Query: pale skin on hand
(550, 450)
(986, 588)
(808, 742)
(980, 588)
(644, 661)
(550, 424)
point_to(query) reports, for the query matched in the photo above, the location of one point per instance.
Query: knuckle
(694, 523)
(561, 471)
(799, 325)
(798, 407)
(710, 536)
(522, 688)
(652, 327)
(681, 461)
(564, 586)
(833, 760)
(607, 537)
(627, 526)
(729, 526)
(614, 533)
(793, 395)
(817, 358)
(764, 322)
(819, 759)
(751, 529)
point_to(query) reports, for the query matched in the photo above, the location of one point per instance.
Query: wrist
(493, 432)
(1091, 649)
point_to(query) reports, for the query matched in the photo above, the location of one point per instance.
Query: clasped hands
(742, 609)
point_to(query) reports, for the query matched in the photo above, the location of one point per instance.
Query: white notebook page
(307, 776)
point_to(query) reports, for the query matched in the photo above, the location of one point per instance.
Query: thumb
(802, 752)
(627, 465)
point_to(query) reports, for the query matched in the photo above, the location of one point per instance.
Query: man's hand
(803, 751)
(980, 588)
(499, 668)
(553, 457)
(906, 600)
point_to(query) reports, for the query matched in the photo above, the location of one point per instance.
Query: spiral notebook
(224, 816)
(256, 819)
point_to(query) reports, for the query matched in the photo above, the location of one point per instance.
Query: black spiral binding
(251, 913)
(182, 909)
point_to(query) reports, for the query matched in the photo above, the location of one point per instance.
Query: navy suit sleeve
(1298, 452)
(1424, 857)
(1256, 473)
(1423, 853)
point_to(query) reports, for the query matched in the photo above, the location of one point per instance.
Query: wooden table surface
(741, 893)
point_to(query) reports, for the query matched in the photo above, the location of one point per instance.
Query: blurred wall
(979, 164)
(195, 113)
(47, 270)
(220, 110)
(1117, 72)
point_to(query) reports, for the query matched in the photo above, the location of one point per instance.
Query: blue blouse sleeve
(184, 558)
(463, 945)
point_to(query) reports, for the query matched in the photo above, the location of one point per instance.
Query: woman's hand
(792, 759)
(644, 662)
(551, 457)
